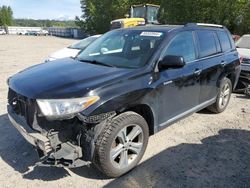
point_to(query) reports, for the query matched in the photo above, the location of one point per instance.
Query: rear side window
(207, 43)
(182, 45)
(217, 43)
(224, 41)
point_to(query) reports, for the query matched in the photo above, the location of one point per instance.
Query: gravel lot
(203, 150)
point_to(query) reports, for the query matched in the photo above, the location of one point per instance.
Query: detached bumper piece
(67, 156)
(34, 138)
(51, 151)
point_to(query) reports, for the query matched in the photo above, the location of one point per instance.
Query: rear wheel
(121, 144)
(223, 97)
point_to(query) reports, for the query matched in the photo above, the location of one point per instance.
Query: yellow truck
(139, 15)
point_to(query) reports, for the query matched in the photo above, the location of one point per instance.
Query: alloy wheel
(224, 96)
(126, 146)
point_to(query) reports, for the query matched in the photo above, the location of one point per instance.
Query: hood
(65, 52)
(244, 52)
(66, 78)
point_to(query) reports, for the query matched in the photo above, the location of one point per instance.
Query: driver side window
(182, 45)
(114, 44)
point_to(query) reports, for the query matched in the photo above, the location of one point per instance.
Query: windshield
(243, 42)
(139, 12)
(83, 43)
(152, 14)
(123, 48)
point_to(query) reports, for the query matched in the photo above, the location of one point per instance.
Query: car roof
(156, 27)
(168, 28)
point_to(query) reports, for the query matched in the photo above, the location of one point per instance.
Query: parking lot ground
(203, 150)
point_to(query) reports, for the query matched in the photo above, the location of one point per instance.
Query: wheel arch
(231, 76)
(146, 112)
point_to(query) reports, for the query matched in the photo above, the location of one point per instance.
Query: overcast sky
(44, 9)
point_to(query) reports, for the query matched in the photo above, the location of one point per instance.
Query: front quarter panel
(120, 95)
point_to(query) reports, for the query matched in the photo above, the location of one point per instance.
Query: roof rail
(210, 25)
(204, 24)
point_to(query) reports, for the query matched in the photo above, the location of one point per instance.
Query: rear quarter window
(224, 41)
(207, 43)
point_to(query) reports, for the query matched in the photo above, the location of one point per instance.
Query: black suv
(102, 106)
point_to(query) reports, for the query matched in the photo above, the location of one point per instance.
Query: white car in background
(2, 32)
(22, 32)
(72, 50)
(243, 47)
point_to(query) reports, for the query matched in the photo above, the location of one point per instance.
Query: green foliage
(6, 16)
(43, 23)
(235, 14)
(231, 13)
(97, 14)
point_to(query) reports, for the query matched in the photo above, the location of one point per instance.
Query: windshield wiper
(95, 62)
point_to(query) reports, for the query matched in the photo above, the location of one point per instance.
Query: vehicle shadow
(244, 96)
(205, 111)
(222, 160)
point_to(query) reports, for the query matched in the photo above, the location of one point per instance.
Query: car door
(179, 89)
(213, 62)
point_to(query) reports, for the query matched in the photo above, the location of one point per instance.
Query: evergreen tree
(6, 16)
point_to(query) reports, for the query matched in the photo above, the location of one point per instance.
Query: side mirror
(172, 61)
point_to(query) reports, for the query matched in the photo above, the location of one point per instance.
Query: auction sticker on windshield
(151, 34)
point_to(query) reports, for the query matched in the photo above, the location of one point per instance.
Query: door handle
(197, 72)
(223, 63)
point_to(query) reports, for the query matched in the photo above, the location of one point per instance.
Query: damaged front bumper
(51, 151)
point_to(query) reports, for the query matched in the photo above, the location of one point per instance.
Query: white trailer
(21, 30)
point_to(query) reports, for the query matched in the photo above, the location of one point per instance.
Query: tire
(223, 97)
(112, 150)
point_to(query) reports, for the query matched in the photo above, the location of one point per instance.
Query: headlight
(56, 108)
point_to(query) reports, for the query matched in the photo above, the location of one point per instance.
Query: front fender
(119, 102)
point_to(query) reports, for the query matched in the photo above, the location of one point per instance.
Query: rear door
(231, 60)
(179, 89)
(213, 60)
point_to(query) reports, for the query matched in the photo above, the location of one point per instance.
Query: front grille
(22, 106)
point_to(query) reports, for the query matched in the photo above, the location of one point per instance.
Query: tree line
(43, 23)
(234, 14)
(6, 19)
(97, 14)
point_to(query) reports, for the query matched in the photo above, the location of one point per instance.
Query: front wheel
(121, 144)
(223, 96)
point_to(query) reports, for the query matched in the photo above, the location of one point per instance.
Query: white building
(21, 30)
(55, 31)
